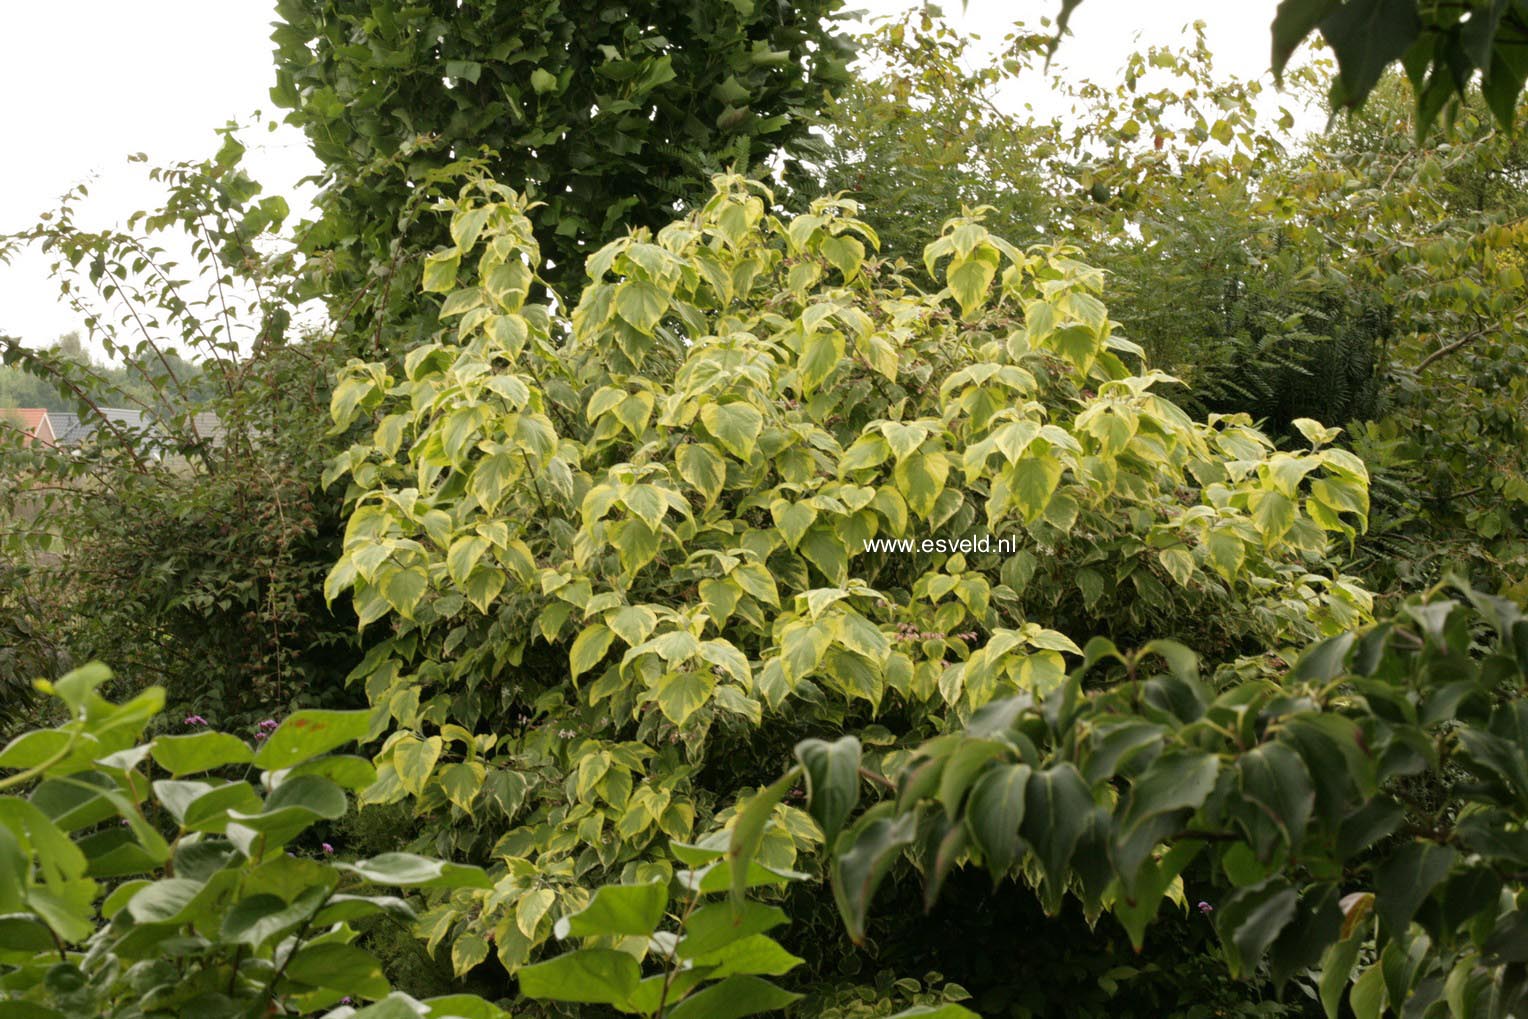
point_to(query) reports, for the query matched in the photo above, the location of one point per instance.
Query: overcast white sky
(87, 82)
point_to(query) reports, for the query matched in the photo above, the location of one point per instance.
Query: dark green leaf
(993, 815)
(1403, 881)
(832, 781)
(867, 851)
(1057, 803)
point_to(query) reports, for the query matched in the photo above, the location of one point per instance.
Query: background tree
(611, 115)
(1441, 47)
(190, 549)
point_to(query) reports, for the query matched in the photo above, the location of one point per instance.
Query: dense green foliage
(644, 550)
(131, 383)
(1358, 278)
(610, 114)
(983, 473)
(202, 912)
(189, 550)
(1378, 780)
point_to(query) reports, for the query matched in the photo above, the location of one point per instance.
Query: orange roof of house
(32, 421)
(30, 418)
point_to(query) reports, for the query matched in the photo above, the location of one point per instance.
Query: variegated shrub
(621, 552)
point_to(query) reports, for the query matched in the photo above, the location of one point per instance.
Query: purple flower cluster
(1206, 908)
(195, 720)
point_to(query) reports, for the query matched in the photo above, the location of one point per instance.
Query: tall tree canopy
(607, 113)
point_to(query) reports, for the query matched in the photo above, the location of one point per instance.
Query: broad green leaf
(904, 439)
(1251, 919)
(1368, 995)
(595, 976)
(618, 909)
(1275, 779)
(403, 589)
(756, 953)
(467, 951)
(40, 746)
(821, 353)
(198, 752)
(1032, 482)
(868, 849)
(440, 270)
(461, 781)
(701, 467)
(733, 998)
(414, 761)
(256, 919)
(1336, 969)
(164, 901)
(292, 807)
(1056, 806)
(307, 734)
(1366, 36)
(632, 623)
(460, 1006)
(405, 870)
(641, 303)
(589, 648)
(712, 927)
(1407, 878)
(531, 908)
(994, 812)
(845, 253)
(344, 908)
(748, 831)
(735, 425)
(1174, 786)
(1293, 21)
(970, 279)
(832, 781)
(1274, 514)
(680, 694)
(543, 81)
(792, 519)
(463, 557)
(340, 967)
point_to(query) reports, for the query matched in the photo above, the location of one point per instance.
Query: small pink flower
(195, 720)
(1206, 908)
(259, 737)
(327, 848)
(269, 724)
